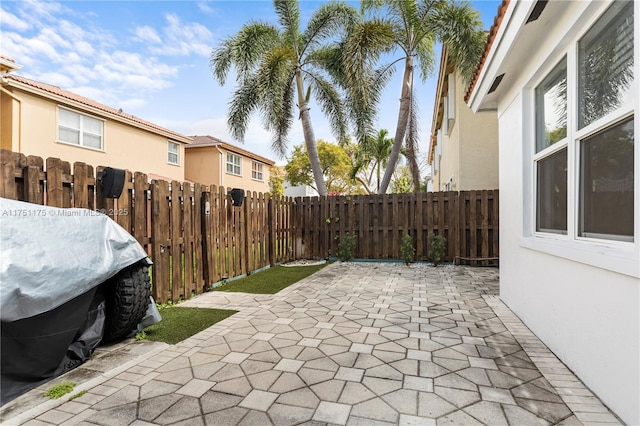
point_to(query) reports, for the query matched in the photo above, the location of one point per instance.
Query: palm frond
(243, 50)
(426, 55)
(328, 20)
(288, 12)
(458, 26)
(242, 104)
(330, 103)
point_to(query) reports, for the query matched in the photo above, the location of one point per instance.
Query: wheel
(127, 299)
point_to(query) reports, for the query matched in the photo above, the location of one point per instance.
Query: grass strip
(180, 323)
(270, 281)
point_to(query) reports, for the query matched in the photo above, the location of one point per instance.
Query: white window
(173, 153)
(256, 171)
(451, 96)
(234, 163)
(79, 129)
(584, 142)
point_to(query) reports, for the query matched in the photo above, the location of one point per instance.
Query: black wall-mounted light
(112, 182)
(237, 196)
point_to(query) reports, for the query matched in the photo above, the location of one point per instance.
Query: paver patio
(354, 344)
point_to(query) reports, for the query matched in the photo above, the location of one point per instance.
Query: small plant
(77, 395)
(141, 335)
(59, 390)
(345, 247)
(407, 251)
(437, 248)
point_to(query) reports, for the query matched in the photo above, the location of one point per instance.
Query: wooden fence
(468, 220)
(193, 234)
(196, 238)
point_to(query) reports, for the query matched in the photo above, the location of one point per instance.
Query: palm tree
(370, 158)
(274, 65)
(412, 27)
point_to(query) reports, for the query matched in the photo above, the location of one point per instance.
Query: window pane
(606, 183)
(91, 141)
(229, 168)
(551, 108)
(173, 158)
(606, 64)
(92, 125)
(552, 193)
(68, 119)
(173, 147)
(68, 135)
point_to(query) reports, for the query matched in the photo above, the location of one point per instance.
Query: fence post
(271, 240)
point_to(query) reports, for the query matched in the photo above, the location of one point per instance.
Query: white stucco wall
(588, 316)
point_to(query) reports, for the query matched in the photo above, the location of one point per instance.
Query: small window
(173, 153)
(256, 171)
(79, 129)
(234, 164)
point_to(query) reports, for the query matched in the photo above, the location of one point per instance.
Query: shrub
(407, 251)
(437, 248)
(345, 247)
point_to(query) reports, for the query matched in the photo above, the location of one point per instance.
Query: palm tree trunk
(401, 127)
(410, 148)
(310, 139)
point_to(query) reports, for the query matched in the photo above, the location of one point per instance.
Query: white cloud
(57, 79)
(12, 21)
(147, 34)
(204, 7)
(181, 39)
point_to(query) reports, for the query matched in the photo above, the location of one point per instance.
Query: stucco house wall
(580, 296)
(464, 149)
(206, 162)
(30, 116)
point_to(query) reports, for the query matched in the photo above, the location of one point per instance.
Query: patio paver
(356, 343)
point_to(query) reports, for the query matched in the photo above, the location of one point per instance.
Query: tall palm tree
(412, 27)
(371, 158)
(279, 67)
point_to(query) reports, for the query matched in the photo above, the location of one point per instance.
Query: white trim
(79, 144)
(169, 143)
(233, 164)
(619, 253)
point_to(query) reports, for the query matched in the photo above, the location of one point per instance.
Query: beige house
(212, 161)
(44, 120)
(463, 154)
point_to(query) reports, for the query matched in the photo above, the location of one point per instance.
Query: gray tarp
(49, 255)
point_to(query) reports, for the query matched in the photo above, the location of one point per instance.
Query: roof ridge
(67, 94)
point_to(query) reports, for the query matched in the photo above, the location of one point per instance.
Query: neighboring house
(463, 154)
(44, 120)
(563, 79)
(211, 161)
(299, 191)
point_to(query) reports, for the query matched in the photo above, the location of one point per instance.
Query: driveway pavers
(354, 344)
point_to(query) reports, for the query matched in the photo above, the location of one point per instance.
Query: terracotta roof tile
(6, 58)
(208, 140)
(55, 90)
(487, 47)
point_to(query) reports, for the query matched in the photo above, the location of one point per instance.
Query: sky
(151, 58)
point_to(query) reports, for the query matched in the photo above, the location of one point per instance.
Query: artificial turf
(270, 281)
(179, 323)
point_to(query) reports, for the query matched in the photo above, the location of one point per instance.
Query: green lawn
(270, 281)
(179, 323)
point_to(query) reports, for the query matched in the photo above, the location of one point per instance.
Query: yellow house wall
(470, 151)
(8, 121)
(203, 165)
(245, 181)
(124, 146)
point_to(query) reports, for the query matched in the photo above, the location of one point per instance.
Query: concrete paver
(354, 344)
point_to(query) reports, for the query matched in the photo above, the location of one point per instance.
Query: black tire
(127, 299)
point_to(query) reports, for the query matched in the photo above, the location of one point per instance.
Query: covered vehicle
(69, 280)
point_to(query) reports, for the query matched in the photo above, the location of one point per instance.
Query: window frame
(233, 164)
(169, 152)
(80, 130)
(612, 254)
(255, 172)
